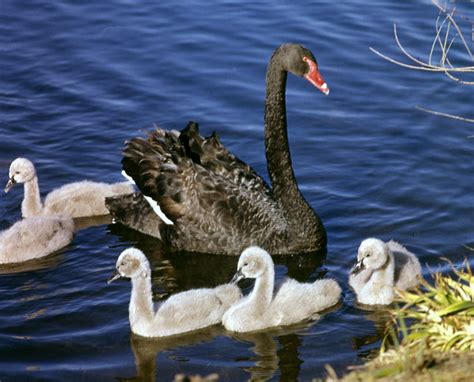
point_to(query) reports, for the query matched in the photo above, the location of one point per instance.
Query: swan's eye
(16, 173)
(245, 264)
(368, 255)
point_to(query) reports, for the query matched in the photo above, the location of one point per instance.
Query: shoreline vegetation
(431, 337)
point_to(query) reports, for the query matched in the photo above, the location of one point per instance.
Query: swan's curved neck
(262, 293)
(31, 204)
(277, 150)
(140, 310)
(385, 275)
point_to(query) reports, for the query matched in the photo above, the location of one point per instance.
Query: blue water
(79, 78)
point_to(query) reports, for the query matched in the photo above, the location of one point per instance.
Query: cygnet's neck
(385, 275)
(261, 296)
(140, 310)
(31, 204)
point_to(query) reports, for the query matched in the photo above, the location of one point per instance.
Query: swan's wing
(195, 307)
(201, 186)
(301, 301)
(407, 266)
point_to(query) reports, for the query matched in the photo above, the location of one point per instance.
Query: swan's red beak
(315, 77)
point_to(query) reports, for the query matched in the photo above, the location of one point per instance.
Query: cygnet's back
(296, 301)
(85, 198)
(195, 309)
(35, 237)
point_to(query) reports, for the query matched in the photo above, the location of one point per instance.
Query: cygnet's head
(131, 263)
(253, 262)
(21, 171)
(373, 254)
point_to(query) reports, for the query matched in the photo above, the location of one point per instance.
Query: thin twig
(405, 52)
(445, 59)
(447, 51)
(451, 19)
(438, 31)
(458, 80)
(443, 48)
(445, 114)
(426, 68)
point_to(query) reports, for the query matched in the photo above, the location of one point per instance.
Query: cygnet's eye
(367, 255)
(245, 264)
(16, 173)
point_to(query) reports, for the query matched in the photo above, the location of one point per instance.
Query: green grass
(441, 315)
(431, 337)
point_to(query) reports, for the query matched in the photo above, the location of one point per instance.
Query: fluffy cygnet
(35, 237)
(78, 199)
(182, 312)
(294, 301)
(381, 267)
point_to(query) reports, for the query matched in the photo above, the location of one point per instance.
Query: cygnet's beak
(116, 275)
(11, 182)
(237, 277)
(359, 267)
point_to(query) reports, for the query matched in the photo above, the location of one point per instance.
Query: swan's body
(35, 237)
(380, 268)
(214, 202)
(182, 312)
(292, 303)
(78, 199)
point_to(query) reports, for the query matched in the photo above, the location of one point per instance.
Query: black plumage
(217, 203)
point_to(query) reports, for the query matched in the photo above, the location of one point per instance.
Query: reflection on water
(272, 350)
(382, 320)
(50, 261)
(91, 221)
(145, 350)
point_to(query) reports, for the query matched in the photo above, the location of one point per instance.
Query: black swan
(211, 201)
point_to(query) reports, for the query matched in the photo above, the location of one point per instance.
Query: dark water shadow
(194, 270)
(52, 260)
(381, 318)
(275, 349)
(91, 221)
(146, 350)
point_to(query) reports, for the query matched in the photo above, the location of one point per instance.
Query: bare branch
(445, 114)
(451, 19)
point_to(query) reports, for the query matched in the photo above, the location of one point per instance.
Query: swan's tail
(134, 211)
(163, 165)
(159, 164)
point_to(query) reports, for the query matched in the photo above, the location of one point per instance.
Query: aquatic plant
(440, 316)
